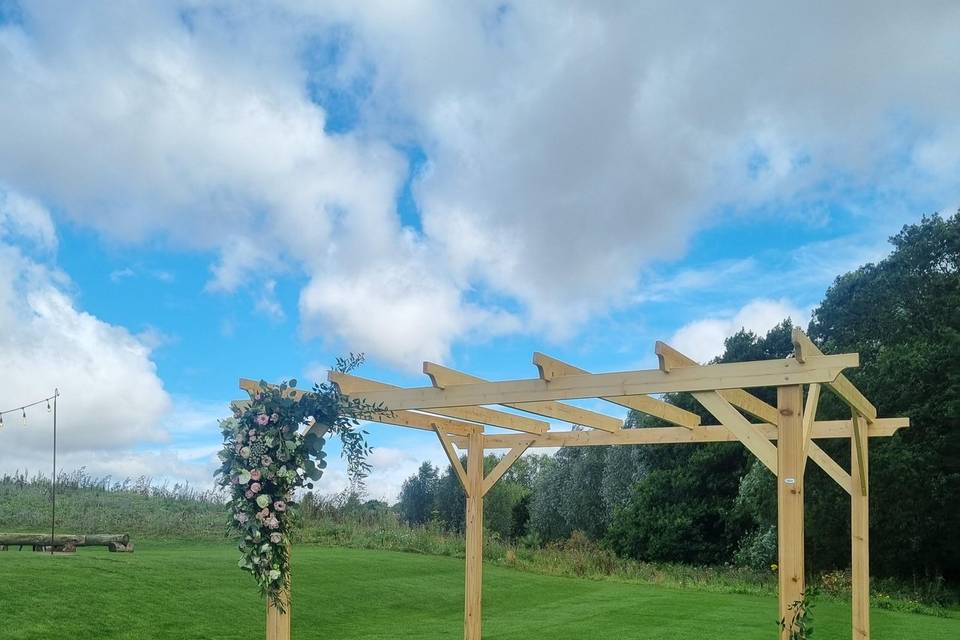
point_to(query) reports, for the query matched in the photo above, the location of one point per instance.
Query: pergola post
(474, 543)
(278, 623)
(790, 454)
(860, 531)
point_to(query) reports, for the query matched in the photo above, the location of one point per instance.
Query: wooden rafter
(444, 377)
(705, 378)
(804, 348)
(352, 385)
(551, 368)
(670, 359)
(411, 419)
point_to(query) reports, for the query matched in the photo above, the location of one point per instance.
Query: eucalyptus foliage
(267, 455)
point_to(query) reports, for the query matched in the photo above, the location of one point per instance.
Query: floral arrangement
(267, 455)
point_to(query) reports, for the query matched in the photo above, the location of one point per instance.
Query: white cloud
(703, 339)
(111, 396)
(568, 145)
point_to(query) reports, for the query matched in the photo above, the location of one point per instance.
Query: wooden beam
(551, 368)
(454, 459)
(473, 587)
(505, 463)
(671, 359)
(882, 427)
(790, 505)
(805, 349)
(444, 377)
(739, 426)
(809, 417)
(352, 385)
(412, 419)
(706, 378)
(860, 536)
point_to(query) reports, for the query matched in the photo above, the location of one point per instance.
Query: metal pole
(53, 510)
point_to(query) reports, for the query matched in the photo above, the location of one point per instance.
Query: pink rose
(272, 522)
(255, 475)
(263, 419)
(280, 505)
(249, 494)
(255, 487)
(276, 538)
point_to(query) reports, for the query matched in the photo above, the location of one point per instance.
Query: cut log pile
(66, 543)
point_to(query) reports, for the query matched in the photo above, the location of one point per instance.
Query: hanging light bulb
(24, 410)
(48, 407)
(1, 420)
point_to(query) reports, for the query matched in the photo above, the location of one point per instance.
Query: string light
(22, 410)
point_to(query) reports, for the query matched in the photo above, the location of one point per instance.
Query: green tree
(902, 315)
(418, 495)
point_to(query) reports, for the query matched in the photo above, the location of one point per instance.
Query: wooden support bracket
(454, 459)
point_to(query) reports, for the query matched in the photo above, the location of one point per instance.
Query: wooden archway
(457, 406)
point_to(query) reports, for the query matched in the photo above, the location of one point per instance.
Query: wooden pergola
(457, 406)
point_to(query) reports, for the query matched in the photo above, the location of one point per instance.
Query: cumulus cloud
(567, 145)
(703, 339)
(111, 396)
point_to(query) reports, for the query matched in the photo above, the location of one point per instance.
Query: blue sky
(194, 193)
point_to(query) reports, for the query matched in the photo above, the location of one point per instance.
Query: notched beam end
(669, 358)
(430, 369)
(542, 363)
(337, 379)
(800, 345)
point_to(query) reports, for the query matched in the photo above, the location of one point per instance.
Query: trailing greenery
(266, 459)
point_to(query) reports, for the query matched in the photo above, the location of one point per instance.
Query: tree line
(715, 503)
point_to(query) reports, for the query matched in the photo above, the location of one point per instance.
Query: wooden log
(64, 540)
(38, 539)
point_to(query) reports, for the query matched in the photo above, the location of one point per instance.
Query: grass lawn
(194, 590)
